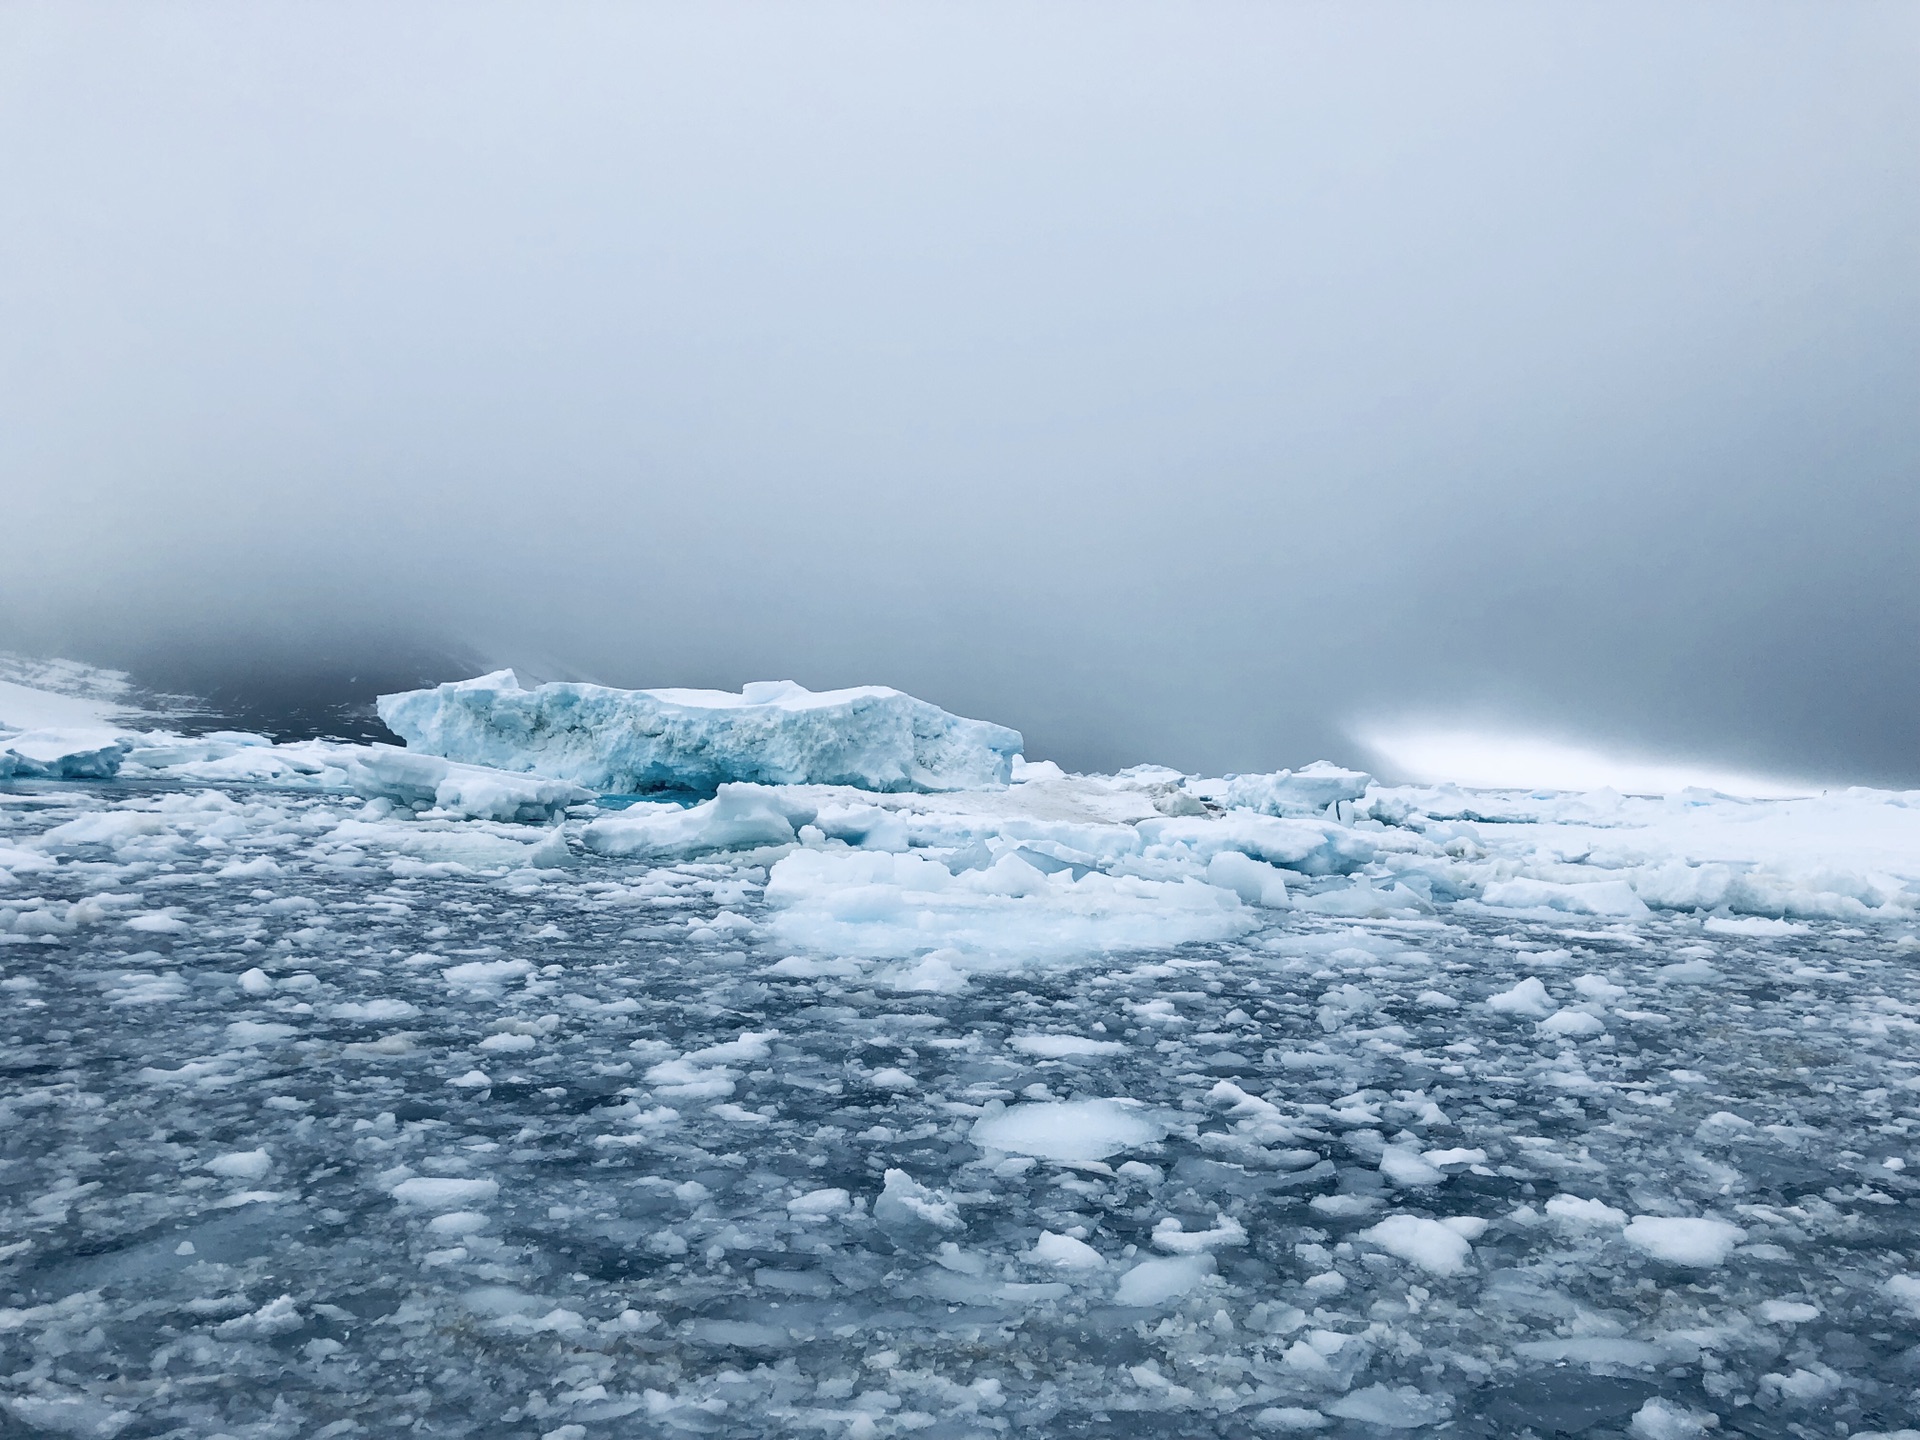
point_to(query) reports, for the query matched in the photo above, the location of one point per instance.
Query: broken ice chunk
(1066, 1129)
(1434, 1247)
(1063, 1252)
(437, 1192)
(1528, 998)
(1696, 1242)
(1154, 1282)
(242, 1165)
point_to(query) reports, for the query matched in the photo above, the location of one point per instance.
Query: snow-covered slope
(629, 741)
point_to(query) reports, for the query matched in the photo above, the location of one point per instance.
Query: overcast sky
(1209, 384)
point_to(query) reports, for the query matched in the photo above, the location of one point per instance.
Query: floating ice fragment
(276, 1317)
(1063, 1252)
(818, 1204)
(1723, 1126)
(256, 982)
(1254, 881)
(375, 1010)
(1688, 972)
(684, 1080)
(1755, 927)
(1598, 987)
(1788, 1312)
(1405, 1166)
(459, 1222)
(1344, 1206)
(476, 790)
(1577, 1211)
(1529, 997)
(1697, 1242)
(751, 1045)
(1663, 1420)
(436, 1192)
(1305, 791)
(1572, 1024)
(1906, 1290)
(472, 1080)
(241, 1165)
(158, 922)
(483, 976)
(934, 975)
(259, 1032)
(1292, 1419)
(1392, 1407)
(1154, 1282)
(1597, 897)
(1170, 1235)
(1059, 1047)
(1432, 1246)
(858, 902)
(740, 817)
(1805, 1385)
(84, 753)
(906, 1205)
(1066, 1129)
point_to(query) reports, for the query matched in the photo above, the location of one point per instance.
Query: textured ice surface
(1305, 791)
(90, 753)
(333, 1104)
(628, 741)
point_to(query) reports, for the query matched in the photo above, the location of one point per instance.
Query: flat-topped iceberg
(774, 732)
(88, 753)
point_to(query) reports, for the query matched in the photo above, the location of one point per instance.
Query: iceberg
(773, 732)
(76, 754)
(1306, 791)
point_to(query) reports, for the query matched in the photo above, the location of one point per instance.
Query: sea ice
(1306, 791)
(1064, 1252)
(1701, 1243)
(739, 817)
(443, 1193)
(1529, 998)
(776, 1117)
(488, 794)
(1433, 1246)
(82, 754)
(858, 902)
(1057, 1047)
(1155, 1282)
(1392, 1407)
(1066, 1129)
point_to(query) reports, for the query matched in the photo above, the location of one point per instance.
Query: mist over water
(1200, 387)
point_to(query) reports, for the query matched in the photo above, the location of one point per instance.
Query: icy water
(304, 1138)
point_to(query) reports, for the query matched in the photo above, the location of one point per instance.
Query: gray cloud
(1173, 383)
